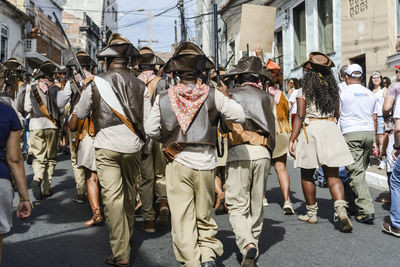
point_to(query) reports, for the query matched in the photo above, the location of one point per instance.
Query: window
(325, 26)
(299, 25)
(3, 44)
(278, 49)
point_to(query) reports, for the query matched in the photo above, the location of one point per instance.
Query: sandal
(113, 261)
(388, 228)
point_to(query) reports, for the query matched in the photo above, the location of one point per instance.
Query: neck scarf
(147, 76)
(276, 92)
(257, 85)
(186, 102)
(44, 85)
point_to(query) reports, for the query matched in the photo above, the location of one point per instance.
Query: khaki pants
(360, 146)
(79, 173)
(43, 145)
(117, 175)
(152, 181)
(245, 184)
(191, 196)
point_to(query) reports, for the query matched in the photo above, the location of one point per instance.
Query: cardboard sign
(257, 27)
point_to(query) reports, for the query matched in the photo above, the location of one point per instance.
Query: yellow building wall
(369, 27)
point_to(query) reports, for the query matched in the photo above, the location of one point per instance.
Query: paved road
(55, 234)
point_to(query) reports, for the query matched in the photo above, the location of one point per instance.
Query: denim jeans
(395, 191)
(342, 175)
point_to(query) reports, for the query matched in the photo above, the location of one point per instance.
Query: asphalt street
(55, 234)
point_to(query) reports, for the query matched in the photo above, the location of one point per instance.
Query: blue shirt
(8, 122)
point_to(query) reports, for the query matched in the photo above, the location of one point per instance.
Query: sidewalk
(376, 177)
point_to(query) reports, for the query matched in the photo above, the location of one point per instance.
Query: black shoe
(36, 190)
(47, 194)
(29, 159)
(365, 218)
(208, 264)
(250, 259)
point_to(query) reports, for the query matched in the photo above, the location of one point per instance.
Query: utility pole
(176, 34)
(183, 26)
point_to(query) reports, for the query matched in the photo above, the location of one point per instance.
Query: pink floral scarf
(257, 85)
(276, 92)
(147, 76)
(44, 85)
(186, 102)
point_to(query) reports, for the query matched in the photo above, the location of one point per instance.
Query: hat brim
(119, 50)
(188, 63)
(264, 73)
(150, 59)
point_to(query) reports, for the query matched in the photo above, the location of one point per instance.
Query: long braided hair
(321, 89)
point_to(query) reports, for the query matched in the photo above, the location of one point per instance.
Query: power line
(210, 13)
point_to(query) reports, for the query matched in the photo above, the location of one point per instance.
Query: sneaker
(47, 193)
(36, 190)
(382, 164)
(365, 218)
(79, 199)
(148, 226)
(250, 258)
(288, 208)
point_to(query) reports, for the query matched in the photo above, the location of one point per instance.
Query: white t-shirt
(380, 99)
(357, 104)
(292, 98)
(342, 86)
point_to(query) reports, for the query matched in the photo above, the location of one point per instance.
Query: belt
(316, 119)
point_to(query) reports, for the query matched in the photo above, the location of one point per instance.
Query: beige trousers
(245, 183)
(117, 175)
(79, 173)
(152, 181)
(43, 145)
(191, 196)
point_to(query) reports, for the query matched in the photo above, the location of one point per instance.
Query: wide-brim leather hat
(14, 63)
(83, 58)
(251, 65)
(318, 61)
(118, 46)
(148, 57)
(47, 68)
(188, 57)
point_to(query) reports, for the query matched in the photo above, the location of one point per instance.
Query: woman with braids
(320, 142)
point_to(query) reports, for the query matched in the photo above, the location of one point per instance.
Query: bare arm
(298, 123)
(387, 106)
(16, 163)
(396, 132)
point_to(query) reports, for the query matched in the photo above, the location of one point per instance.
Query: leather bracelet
(396, 147)
(24, 199)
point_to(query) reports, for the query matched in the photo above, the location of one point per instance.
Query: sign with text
(257, 27)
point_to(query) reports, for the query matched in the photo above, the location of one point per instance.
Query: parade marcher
(184, 119)
(283, 130)
(118, 104)
(358, 124)
(249, 156)
(11, 164)
(320, 143)
(152, 179)
(41, 104)
(392, 105)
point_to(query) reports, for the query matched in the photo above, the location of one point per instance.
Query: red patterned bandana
(257, 85)
(186, 102)
(147, 76)
(44, 85)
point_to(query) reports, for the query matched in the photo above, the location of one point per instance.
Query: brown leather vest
(258, 107)
(50, 100)
(130, 93)
(202, 130)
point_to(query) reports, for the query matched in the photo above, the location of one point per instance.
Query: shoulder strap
(42, 105)
(152, 86)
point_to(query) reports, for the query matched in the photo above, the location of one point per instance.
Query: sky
(163, 25)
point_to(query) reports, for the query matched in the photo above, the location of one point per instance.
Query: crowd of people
(175, 139)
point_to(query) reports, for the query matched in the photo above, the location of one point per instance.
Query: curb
(378, 181)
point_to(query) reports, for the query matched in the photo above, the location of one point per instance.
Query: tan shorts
(6, 201)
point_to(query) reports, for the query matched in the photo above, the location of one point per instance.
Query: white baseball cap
(354, 70)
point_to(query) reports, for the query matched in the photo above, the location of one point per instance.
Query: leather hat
(188, 57)
(147, 57)
(318, 61)
(48, 68)
(251, 65)
(118, 46)
(83, 58)
(14, 63)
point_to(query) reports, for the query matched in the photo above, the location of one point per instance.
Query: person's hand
(395, 154)
(292, 149)
(259, 51)
(223, 89)
(23, 210)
